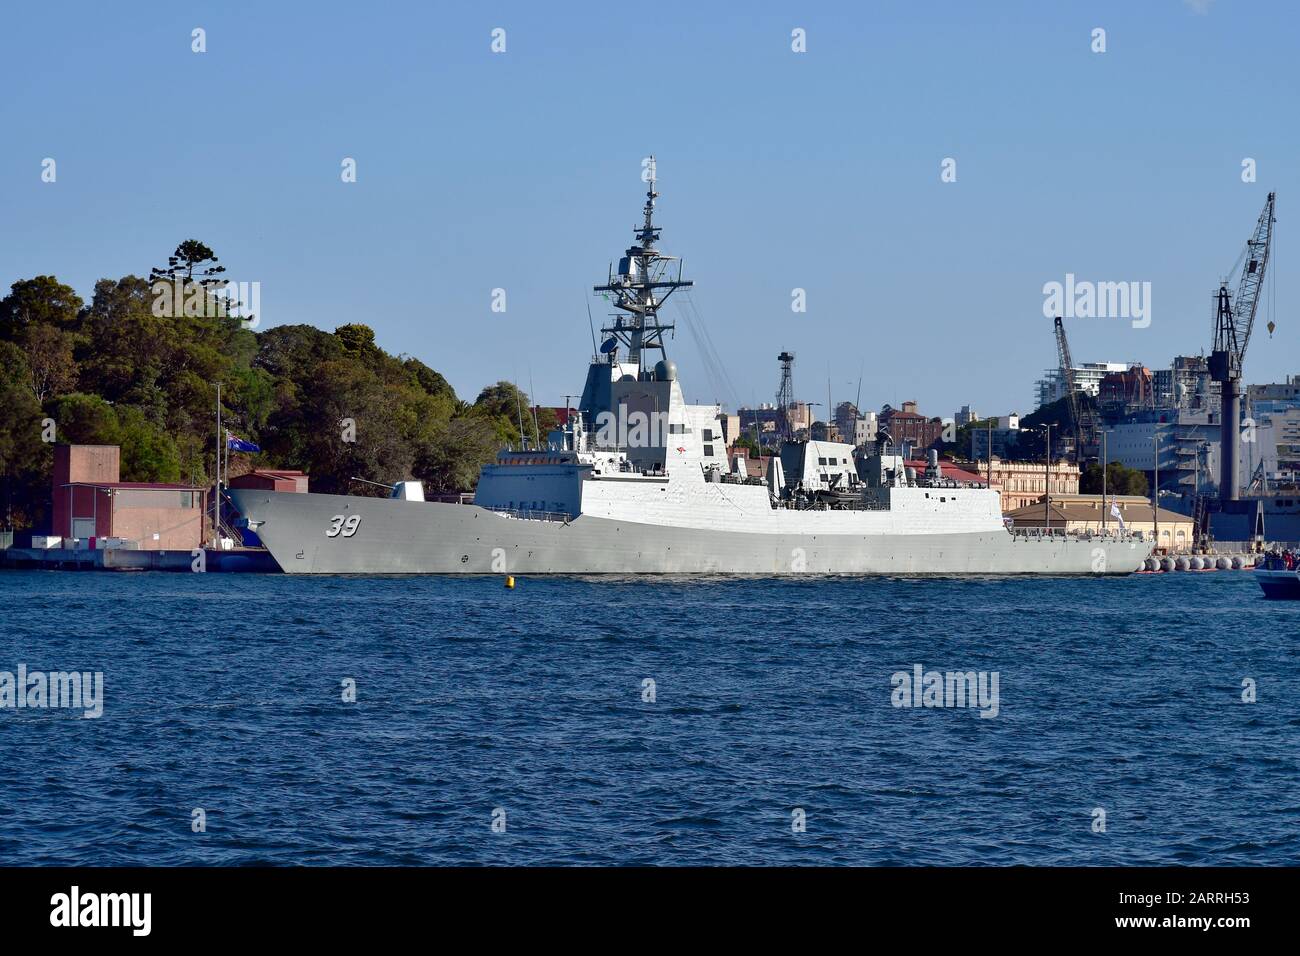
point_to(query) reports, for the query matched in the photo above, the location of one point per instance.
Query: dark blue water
(222, 692)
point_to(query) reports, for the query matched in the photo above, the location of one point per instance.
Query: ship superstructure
(638, 481)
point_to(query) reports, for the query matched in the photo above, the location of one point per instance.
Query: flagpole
(225, 441)
(1155, 492)
(216, 498)
(1103, 483)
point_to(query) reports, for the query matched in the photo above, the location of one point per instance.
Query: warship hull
(412, 537)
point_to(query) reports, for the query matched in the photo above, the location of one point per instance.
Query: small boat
(1281, 584)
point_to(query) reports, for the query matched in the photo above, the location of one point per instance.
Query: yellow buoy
(510, 581)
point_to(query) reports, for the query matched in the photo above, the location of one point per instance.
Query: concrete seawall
(120, 559)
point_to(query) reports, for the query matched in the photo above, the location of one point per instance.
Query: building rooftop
(1064, 508)
(143, 485)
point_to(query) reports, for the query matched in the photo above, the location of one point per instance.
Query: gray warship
(637, 481)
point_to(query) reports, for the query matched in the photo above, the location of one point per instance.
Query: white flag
(1114, 510)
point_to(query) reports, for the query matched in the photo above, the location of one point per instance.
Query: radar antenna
(641, 286)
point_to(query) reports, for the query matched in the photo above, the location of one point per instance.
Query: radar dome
(665, 371)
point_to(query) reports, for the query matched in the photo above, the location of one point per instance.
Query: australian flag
(235, 443)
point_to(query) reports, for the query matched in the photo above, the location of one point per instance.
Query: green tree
(39, 301)
(127, 369)
(429, 380)
(52, 368)
(1120, 480)
(25, 459)
(148, 452)
(85, 420)
(188, 284)
(357, 340)
(507, 406)
(125, 347)
(450, 459)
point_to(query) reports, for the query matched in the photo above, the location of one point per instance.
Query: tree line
(119, 370)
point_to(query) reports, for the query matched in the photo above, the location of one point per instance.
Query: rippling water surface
(223, 692)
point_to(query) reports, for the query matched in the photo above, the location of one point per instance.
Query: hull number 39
(345, 526)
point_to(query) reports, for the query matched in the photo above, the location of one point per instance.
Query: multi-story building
(765, 419)
(1087, 378)
(1185, 384)
(1130, 389)
(1286, 391)
(1275, 411)
(1275, 453)
(855, 426)
(965, 416)
(1184, 443)
(906, 424)
(865, 429)
(1023, 482)
(846, 414)
(1003, 435)
(825, 431)
(730, 427)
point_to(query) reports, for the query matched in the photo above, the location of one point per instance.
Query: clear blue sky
(778, 170)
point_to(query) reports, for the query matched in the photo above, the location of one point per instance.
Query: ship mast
(640, 287)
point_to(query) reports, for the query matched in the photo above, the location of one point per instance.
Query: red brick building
(1133, 388)
(906, 424)
(90, 502)
(272, 479)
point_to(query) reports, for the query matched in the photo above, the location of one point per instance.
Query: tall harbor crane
(1081, 416)
(1234, 317)
(785, 397)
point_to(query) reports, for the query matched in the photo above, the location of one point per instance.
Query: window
(821, 461)
(708, 434)
(708, 451)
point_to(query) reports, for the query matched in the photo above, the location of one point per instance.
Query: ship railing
(1084, 535)
(857, 504)
(529, 513)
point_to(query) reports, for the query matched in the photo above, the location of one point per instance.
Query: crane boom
(1234, 318)
(1235, 314)
(1077, 412)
